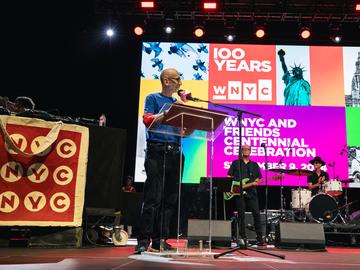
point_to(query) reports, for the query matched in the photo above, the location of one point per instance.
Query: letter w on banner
(42, 172)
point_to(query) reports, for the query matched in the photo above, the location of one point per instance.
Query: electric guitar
(235, 186)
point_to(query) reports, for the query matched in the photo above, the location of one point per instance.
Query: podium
(192, 122)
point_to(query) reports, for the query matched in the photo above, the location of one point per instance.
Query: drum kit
(323, 206)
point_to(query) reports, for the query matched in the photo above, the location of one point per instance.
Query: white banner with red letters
(42, 172)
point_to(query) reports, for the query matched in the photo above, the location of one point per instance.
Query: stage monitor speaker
(198, 229)
(250, 228)
(300, 235)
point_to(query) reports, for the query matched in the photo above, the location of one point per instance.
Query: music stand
(220, 184)
(195, 122)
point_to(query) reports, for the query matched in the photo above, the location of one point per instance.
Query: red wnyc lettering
(14, 171)
(34, 203)
(9, 201)
(56, 202)
(38, 174)
(65, 148)
(19, 142)
(60, 174)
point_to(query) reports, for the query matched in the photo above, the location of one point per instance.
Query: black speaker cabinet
(300, 235)
(198, 229)
(250, 228)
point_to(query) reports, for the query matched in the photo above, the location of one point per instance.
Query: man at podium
(162, 166)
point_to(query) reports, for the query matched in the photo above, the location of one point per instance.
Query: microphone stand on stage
(266, 192)
(242, 242)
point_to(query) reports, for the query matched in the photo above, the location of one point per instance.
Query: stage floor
(112, 258)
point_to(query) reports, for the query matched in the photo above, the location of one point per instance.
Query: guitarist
(249, 169)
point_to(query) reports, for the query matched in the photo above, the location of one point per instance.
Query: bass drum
(323, 208)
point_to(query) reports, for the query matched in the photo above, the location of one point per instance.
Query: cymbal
(299, 172)
(277, 170)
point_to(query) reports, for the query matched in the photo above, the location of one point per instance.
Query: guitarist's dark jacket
(250, 170)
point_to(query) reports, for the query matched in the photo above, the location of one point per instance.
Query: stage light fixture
(336, 38)
(169, 26)
(139, 30)
(110, 32)
(210, 5)
(168, 29)
(230, 37)
(335, 33)
(147, 4)
(260, 31)
(357, 7)
(199, 31)
(305, 32)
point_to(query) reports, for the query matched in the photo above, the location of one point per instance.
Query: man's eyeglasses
(247, 149)
(178, 79)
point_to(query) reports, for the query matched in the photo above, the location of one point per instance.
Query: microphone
(185, 95)
(263, 145)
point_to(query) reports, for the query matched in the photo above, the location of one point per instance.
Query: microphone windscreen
(180, 92)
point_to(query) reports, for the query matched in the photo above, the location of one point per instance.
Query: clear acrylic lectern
(198, 123)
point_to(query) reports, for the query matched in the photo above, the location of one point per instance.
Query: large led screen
(292, 127)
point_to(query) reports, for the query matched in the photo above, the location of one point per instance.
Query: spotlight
(336, 38)
(305, 32)
(168, 29)
(199, 31)
(169, 26)
(260, 31)
(138, 30)
(210, 5)
(110, 32)
(357, 7)
(230, 37)
(335, 34)
(147, 4)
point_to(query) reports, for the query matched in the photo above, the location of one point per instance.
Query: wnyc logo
(242, 74)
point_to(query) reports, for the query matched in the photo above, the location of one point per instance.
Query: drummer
(318, 178)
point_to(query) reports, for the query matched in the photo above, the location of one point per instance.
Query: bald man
(162, 166)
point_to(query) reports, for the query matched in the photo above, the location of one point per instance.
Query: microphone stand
(266, 192)
(333, 169)
(242, 242)
(282, 214)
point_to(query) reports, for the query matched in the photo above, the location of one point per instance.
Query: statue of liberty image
(297, 90)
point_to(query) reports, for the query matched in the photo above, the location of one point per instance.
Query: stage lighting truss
(305, 32)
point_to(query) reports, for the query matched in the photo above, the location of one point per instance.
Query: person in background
(248, 169)
(318, 178)
(128, 185)
(102, 120)
(23, 104)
